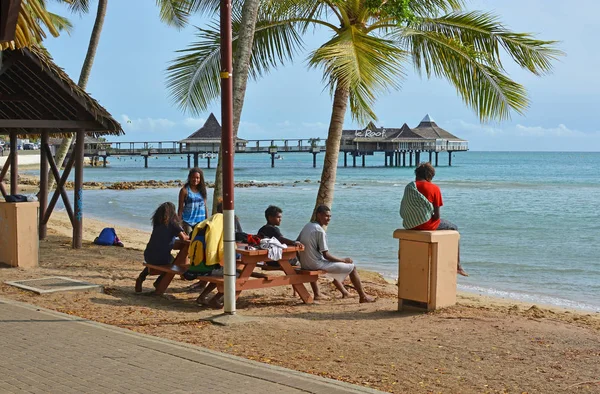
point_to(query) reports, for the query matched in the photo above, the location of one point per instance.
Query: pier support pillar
(272, 160)
(430, 156)
(397, 159)
(385, 159)
(417, 158)
(195, 159)
(345, 159)
(189, 161)
(145, 161)
(363, 160)
(410, 158)
(208, 162)
(354, 160)
(314, 159)
(436, 158)
(449, 158)
(104, 161)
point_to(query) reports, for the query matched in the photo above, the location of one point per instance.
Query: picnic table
(248, 279)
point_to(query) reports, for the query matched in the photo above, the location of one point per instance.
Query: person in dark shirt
(167, 234)
(273, 215)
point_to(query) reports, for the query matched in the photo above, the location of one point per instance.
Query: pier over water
(398, 145)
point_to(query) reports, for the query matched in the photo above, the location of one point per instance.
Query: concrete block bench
(427, 268)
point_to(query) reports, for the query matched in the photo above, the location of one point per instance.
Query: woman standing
(192, 200)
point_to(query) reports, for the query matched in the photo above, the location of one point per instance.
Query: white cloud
(194, 123)
(285, 123)
(456, 126)
(560, 131)
(147, 124)
(319, 126)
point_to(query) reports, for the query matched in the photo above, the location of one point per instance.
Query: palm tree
(373, 40)
(193, 78)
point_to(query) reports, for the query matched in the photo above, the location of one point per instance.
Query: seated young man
(316, 256)
(274, 214)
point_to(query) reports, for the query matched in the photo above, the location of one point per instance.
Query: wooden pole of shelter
(226, 150)
(43, 195)
(78, 214)
(14, 162)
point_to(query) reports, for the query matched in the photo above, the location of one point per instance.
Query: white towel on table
(274, 247)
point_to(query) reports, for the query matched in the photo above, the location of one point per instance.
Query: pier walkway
(48, 352)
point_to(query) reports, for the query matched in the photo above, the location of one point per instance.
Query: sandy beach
(480, 345)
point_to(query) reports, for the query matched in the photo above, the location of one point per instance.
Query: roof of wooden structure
(426, 130)
(210, 132)
(430, 130)
(36, 94)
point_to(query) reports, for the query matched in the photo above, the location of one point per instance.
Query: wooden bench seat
(167, 272)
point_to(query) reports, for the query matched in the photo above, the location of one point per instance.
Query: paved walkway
(50, 352)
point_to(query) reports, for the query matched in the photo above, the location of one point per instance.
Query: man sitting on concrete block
(420, 206)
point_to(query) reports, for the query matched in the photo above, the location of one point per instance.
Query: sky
(129, 80)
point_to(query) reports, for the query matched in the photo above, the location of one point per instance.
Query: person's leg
(340, 286)
(364, 297)
(316, 292)
(140, 279)
(448, 225)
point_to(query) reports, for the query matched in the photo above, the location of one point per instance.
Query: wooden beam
(78, 154)
(5, 167)
(9, 13)
(13, 97)
(50, 124)
(60, 189)
(14, 180)
(43, 196)
(6, 64)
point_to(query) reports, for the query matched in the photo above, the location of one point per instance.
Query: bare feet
(461, 271)
(366, 298)
(348, 295)
(321, 297)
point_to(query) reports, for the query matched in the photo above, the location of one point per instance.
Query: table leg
(298, 288)
(164, 283)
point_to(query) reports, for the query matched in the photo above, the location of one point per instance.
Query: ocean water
(529, 221)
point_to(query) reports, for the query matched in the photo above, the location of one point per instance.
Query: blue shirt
(194, 210)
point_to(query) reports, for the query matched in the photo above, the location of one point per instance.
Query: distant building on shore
(208, 138)
(426, 137)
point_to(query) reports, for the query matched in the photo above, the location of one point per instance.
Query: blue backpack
(107, 236)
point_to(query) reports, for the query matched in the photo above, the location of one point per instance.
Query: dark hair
(322, 209)
(272, 210)
(165, 214)
(425, 171)
(201, 185)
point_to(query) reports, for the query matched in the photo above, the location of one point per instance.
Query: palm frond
(79, 7)
(364, 64)
(61, 23)
(32, 19)
(435, 7)
(486, 33)
(479, 81)
(193, 78)
(174, 12)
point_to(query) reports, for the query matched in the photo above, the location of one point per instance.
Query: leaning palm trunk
(86, 70)
(241, 67)
(332, 148)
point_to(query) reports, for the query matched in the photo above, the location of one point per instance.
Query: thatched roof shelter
(209, 133)
(38, 98)
(430, 130)
(36, 94)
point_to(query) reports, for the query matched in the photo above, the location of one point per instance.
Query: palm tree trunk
(241, 66)
(86, 70)
(332, 148)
